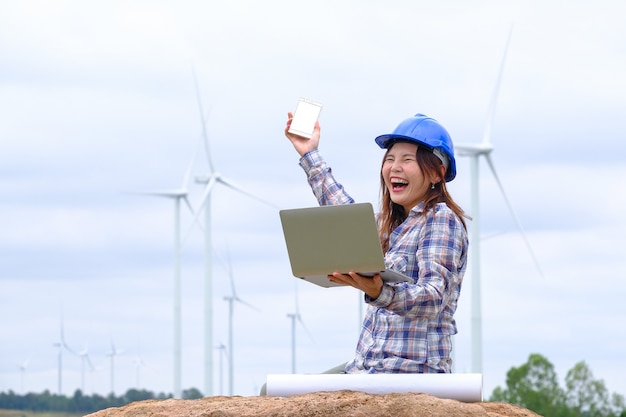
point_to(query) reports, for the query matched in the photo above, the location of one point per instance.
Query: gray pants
(339, 369)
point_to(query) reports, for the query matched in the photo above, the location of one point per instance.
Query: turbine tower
(210, 180)
(177, 195)
(112, 354)
(231, 304)
(474, 152)
(62, 345)
(296, 317)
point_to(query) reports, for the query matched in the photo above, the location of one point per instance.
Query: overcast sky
(97, 100)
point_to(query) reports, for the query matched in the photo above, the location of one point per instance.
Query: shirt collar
(417, 209)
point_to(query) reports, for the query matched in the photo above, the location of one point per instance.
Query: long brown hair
(392, 214)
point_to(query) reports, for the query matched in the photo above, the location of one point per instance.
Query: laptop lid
(324, 239)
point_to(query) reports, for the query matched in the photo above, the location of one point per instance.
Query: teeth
(399, 182)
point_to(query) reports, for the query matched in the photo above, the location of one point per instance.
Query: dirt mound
(318, 404)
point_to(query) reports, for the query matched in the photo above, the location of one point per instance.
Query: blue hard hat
(427, 132)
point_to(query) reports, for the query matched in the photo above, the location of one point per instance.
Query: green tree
(589, 397)
(133, 395)
(534, 385)
(618, 405)
(191, 394)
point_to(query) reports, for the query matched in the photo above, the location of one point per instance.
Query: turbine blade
(246, 304)
(306, 329)
(205, 195)
(63, 344)
(231, 276)
(203, 201)
(91, 367)
(205, 136)
(515, 218)
(496, 92)
(172, 193)
(189, 205)
(61, 332)
(245, 192)
(114, 350)
(219, 259)
(187, 176)
(69, 349)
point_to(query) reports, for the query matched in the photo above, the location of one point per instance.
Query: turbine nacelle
(204, 178)
(473, 149)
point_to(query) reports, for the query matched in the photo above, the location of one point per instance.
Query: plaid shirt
(407, 329)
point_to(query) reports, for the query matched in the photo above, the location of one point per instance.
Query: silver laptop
(322, 240)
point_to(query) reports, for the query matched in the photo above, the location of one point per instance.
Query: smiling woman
(408, 325)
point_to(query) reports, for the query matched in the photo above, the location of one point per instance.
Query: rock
(317, 404)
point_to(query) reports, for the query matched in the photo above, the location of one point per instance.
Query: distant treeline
(533, 385)
(80, 403)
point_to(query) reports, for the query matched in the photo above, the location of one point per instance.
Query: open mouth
(398, 184)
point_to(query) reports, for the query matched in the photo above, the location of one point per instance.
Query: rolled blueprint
(460, 387)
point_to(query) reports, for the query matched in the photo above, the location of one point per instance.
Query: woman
(408, 326)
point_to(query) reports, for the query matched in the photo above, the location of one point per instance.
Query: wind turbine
(296, 317)
(62, 345)
(139, 363)
(231, 304)
(84, 360)
(23, 367)
(223, 352)
(210, 180)
(112, 354)
(474, 151)
(177, 195)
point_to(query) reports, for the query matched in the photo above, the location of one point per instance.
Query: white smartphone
(304, 117)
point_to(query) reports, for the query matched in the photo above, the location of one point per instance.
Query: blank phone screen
(304, 118)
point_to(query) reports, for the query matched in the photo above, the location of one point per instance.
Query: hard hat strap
(444, 158)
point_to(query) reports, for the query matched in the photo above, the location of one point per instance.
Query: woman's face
(403, 177)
